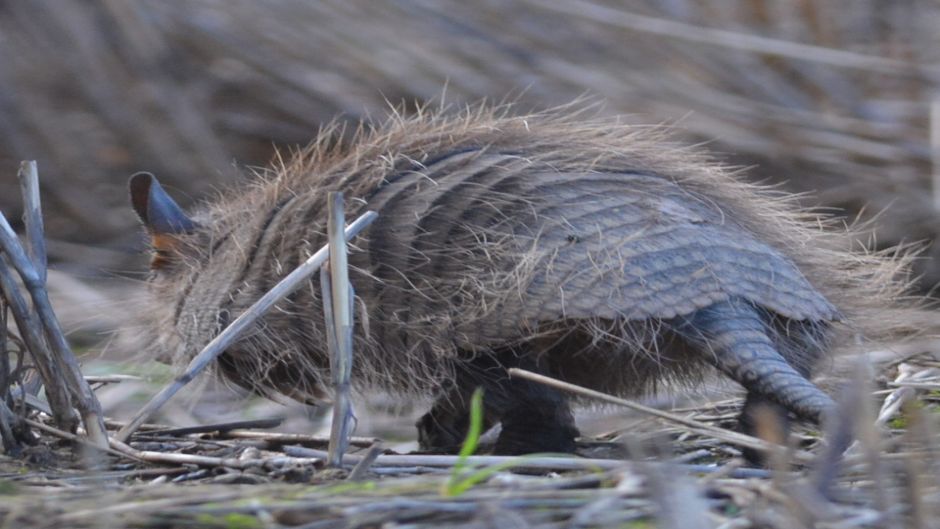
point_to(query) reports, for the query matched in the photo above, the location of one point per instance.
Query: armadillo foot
(534, 418)
(444, 427)
(529, 430)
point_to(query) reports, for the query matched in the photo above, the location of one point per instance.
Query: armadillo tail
(736, 340)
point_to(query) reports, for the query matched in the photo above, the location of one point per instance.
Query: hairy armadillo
(580, 248)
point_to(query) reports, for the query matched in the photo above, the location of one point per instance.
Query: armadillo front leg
(444, 427)
(534, 417)
(735, 339)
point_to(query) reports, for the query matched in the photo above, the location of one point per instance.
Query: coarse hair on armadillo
(471, 204)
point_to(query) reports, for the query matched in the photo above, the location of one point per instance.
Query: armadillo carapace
(584, 249)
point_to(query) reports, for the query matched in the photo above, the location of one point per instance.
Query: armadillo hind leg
(534, 418)
(735, 339)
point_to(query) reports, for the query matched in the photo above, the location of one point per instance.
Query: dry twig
(39, 326)
(722, 434)
(338, 309)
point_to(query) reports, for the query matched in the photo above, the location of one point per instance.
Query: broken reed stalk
(28, 176)
(935, 150)
(361, 470)
(14, 432)
(281, 438)
(338, 308)
(220, 343)
(8, 419)
(8, 439)
(60, 403)
(39, 327)
(721, 434)
(734, 40)
(533, 461)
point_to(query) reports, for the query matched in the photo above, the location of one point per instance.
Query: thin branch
(359, 471)
(535, 461)
(6, 381)
(729, 39)
(111, 379)
(935, 151)
(284, 438)
(68, 436)
(721, 434)
(32, 216)
(340, 317)
(84, 398)
(220, 427)
(8, 427)
(31, 333)
(241, 324)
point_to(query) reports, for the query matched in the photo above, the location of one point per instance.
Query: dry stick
(219, 427)
(174, 458)
(528, 462)
(284, 438)
(729, 39)
(72, 437)
(8, 421)
(340, 299)
(31, 333)
(536, 462)
(6, 382)
(721, 434)
(242, 323)
(86, 402)
(935, 150)
(336, 452)
(110, 379)
(359, 471)
(861, 425)
(32, 216)
(918, 433)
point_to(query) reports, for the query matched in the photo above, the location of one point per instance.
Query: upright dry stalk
(38, 325)
(935, 151)
(7, 418)
(723, 38)
(28, 176)
(339, 317)
(30, 329)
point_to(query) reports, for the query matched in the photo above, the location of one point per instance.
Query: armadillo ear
(164, 219)
(159, 213)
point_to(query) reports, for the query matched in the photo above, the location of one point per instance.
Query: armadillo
(581, 248)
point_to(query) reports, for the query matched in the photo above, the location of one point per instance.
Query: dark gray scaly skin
(743, 351)
(675, 259)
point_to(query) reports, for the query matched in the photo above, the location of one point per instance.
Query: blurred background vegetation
(830, 97)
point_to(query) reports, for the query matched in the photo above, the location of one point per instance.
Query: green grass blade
(470, 443)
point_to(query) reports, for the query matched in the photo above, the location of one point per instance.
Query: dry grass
(832, 96)
(244, 478)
